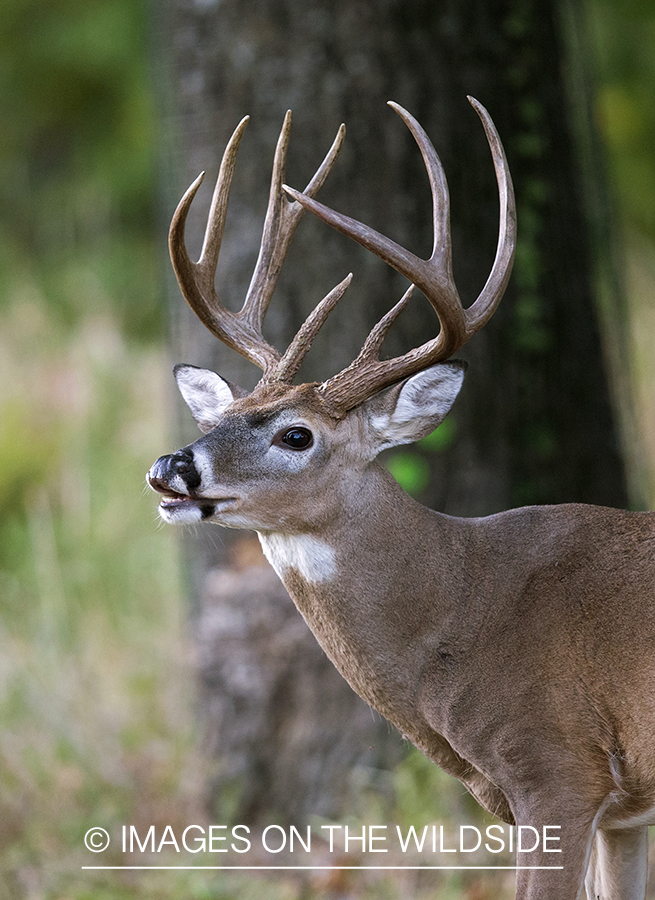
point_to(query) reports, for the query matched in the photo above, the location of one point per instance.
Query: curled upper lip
(162, 487)
(169, 494)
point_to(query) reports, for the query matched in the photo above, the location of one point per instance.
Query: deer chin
(181, 509)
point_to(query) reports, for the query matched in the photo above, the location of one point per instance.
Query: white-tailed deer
(516, 651)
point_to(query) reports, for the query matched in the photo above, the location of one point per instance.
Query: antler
(243, 330)
(434, 276)
(367, 374)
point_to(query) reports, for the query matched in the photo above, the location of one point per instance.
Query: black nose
(181, 463)
(167, 467)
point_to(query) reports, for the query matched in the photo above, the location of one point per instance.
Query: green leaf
(410, 470)
(441, 438)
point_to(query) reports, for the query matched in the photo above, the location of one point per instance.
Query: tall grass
(96, 696)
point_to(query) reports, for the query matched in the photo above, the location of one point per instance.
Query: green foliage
(442, 437)
(424, 792)
(76, 157)
(95, 695)
(624, 35)
(411, 471)
(411, 467)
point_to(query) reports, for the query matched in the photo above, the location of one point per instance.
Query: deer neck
(375, 585)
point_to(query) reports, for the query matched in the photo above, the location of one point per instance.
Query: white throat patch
(312, 558)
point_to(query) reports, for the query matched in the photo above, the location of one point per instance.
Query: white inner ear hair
(205, 393)
(428, 393)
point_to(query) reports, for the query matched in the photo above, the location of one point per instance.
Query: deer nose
(181, 463)
(176, 472)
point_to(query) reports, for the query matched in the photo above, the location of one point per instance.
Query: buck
(516, 651)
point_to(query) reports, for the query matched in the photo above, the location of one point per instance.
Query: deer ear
(414, 408)
(206, 394)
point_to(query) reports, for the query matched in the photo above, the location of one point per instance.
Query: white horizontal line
(324, 868)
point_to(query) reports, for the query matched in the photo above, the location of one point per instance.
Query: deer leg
(618, 868)
(550, 868)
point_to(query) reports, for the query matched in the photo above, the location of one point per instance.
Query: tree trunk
(534, 423)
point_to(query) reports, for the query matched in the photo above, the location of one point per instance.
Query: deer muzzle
(177, 479)
(175, 475)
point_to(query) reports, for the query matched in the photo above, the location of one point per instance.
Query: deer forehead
(267, 402)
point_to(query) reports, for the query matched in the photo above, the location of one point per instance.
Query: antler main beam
(434, 276)
(243, 330)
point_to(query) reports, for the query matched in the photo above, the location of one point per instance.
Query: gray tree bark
(534, 423)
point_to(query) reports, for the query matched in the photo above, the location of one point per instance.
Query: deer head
(263, 451)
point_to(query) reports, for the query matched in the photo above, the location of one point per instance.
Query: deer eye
(296, 438)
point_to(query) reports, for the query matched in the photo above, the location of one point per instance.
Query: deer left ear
(414, 408)
(206, 394)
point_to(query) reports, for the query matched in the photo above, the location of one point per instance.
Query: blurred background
(100, 718)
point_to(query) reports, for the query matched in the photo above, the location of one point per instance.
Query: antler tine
(242, 331)
(353, 384)
(441, 246)
(484, 307)
(292, 359)
(282, 218)
(206, 266)
(374, 341)
(434, 276)
(196, 280)
(297, 349)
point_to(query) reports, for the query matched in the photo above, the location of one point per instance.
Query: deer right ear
(414, 408)
(206, 394)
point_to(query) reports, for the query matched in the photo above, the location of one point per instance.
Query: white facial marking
(312, 558)
(203, 465)
(181, 514)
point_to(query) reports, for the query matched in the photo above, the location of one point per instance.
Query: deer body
(517, 651)
(415, 645)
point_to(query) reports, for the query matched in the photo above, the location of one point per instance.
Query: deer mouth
(174, 505)
(180, 503)
(172, 498)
